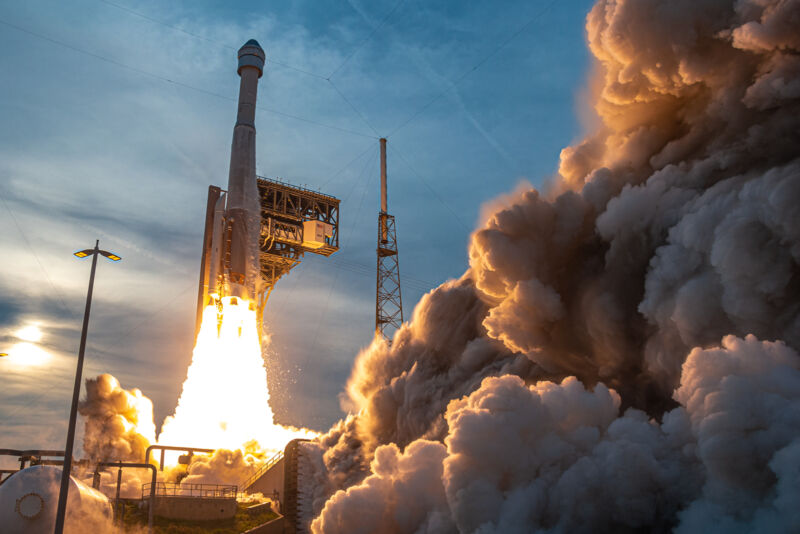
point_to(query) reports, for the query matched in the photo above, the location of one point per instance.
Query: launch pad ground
(134, 519)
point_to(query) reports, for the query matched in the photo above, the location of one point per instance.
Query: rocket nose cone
(251, 55)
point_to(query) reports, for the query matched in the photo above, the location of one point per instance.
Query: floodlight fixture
(89, 251)
(110, 255)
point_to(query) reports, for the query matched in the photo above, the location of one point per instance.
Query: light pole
(73, 413)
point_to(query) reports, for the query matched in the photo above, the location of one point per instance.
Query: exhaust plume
(118, 422)
(622, 352)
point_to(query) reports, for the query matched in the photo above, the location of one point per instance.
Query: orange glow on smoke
(225, 400)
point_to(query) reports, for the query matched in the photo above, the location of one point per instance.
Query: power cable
(428, 186)
(344, 199)
(152, 315)
(268, 60)
(314, 342)
(475, 67)
(369, 271)
(340, 171)
(174, 82)
(58, 295)
(365, 41)
(203, 38)
(176, 28)
(363, 118)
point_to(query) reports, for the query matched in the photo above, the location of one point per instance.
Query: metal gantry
(388, 297)
(389, 300)
(289, 215)
(294, 220)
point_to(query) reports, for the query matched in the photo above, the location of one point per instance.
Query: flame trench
(224, 403)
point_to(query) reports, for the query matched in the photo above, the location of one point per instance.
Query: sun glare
(27, 354)
(30, 333)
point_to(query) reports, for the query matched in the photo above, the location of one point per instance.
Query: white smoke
(621, 353)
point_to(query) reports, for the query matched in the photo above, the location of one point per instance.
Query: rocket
(230, 260)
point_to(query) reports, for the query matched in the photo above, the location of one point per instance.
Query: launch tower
(388, 298)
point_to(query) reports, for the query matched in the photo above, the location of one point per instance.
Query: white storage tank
(29, 499)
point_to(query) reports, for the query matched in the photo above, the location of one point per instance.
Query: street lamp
(73, 413)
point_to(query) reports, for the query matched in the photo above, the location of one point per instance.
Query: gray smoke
(660, 269)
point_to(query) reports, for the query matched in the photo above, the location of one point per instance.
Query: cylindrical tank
(29, 499)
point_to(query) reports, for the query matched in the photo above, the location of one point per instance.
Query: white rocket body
(234, 268)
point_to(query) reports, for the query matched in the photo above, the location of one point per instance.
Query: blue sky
(116, 116)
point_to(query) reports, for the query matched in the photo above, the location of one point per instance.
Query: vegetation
(135, 519)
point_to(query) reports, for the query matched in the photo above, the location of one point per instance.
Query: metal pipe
(73, 414)
(384, 206)
(384, 201)
(116, 501)
(31, 452)
(27, 455)
(190, 450)
(151, 507)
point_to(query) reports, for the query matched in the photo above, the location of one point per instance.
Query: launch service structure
(258, 229)
(388, 298)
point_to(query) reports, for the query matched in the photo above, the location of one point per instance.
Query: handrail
(169, 489)
(278, 181)
(120, 465)
(277, 457)
(162, 448)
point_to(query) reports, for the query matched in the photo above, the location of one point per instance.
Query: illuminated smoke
(224, 405)
(659, 269)
(118, 422)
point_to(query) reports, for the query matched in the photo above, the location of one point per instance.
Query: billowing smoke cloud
(557, 457)
(118, 422)
(661, 270)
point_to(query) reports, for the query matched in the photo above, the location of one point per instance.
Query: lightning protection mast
(388, 299)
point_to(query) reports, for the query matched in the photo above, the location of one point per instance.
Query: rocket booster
(230, 265)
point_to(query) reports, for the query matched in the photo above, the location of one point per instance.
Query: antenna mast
(388, 299)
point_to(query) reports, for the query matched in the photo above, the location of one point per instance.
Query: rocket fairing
(230, 264)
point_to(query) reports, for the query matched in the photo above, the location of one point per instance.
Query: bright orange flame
(225, 400)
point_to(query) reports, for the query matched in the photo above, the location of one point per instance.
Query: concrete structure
(276, 526)
(198, 502)
(194, 508)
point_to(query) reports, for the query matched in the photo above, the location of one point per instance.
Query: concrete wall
(273, 527)
(270, 481)
(195, 508)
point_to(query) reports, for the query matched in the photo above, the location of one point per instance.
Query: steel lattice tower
(388, 298)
